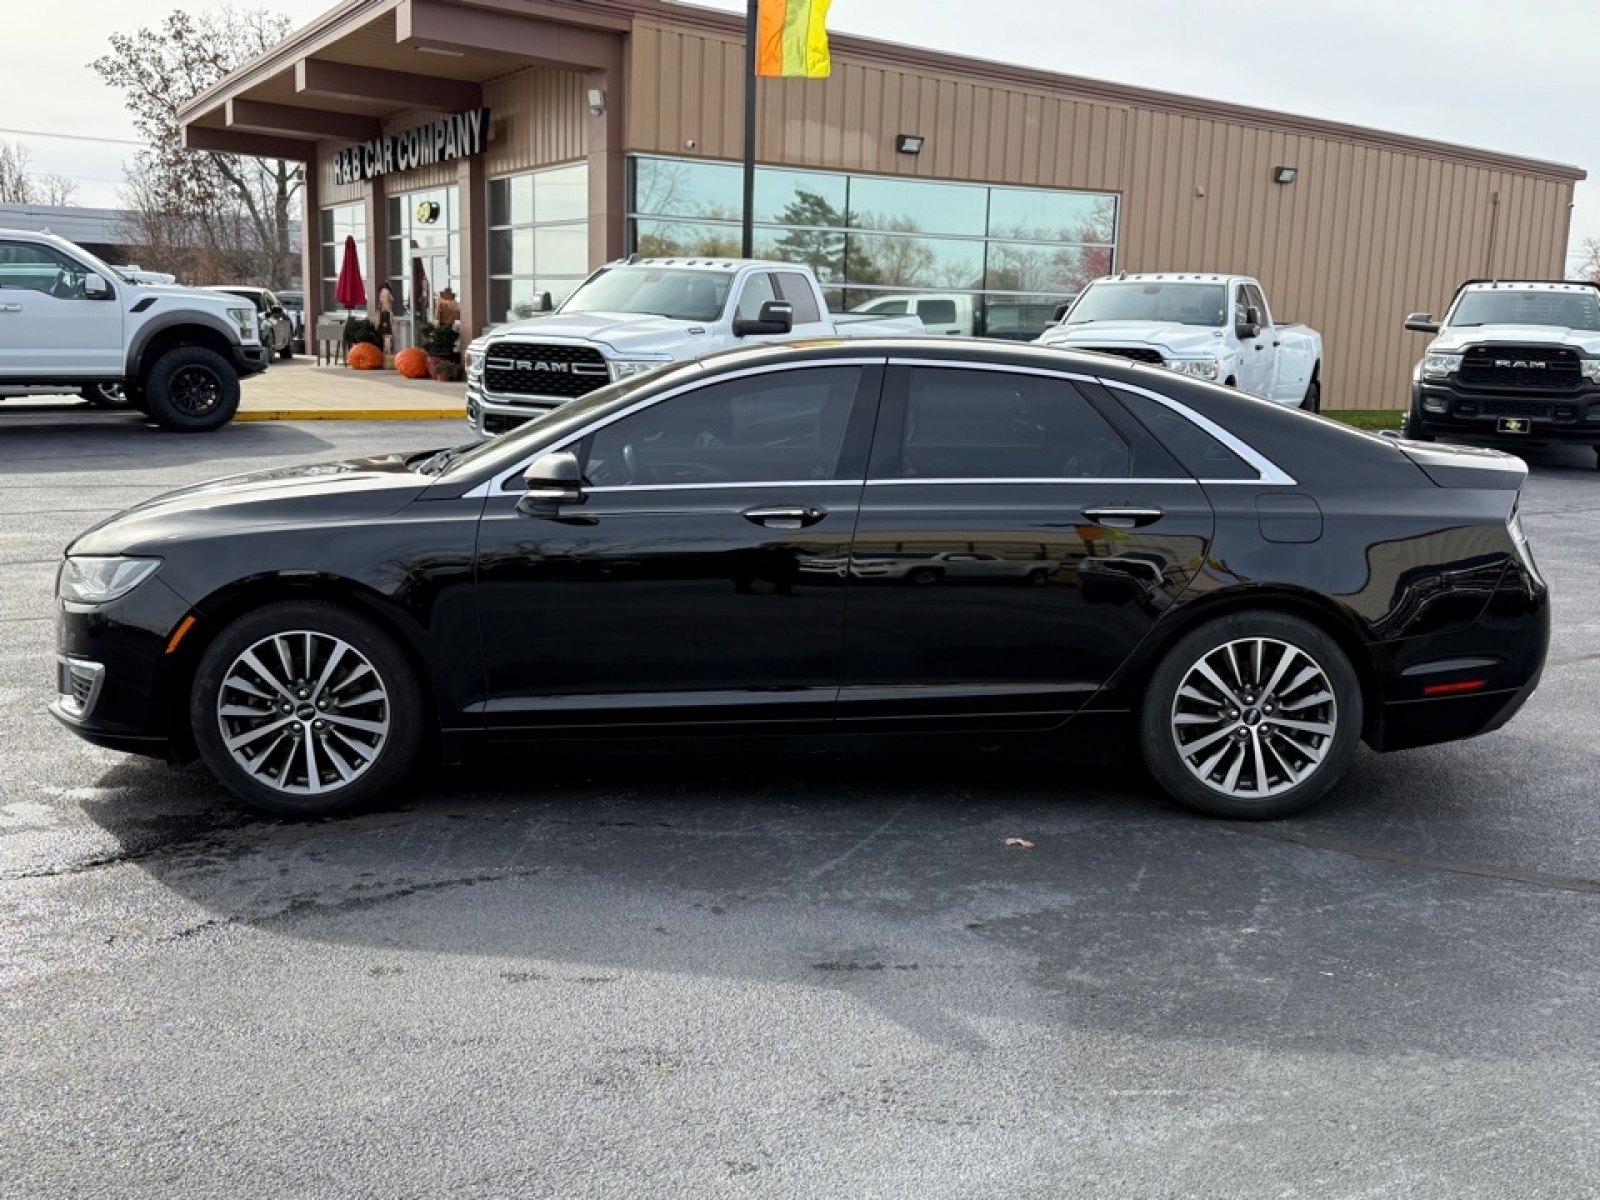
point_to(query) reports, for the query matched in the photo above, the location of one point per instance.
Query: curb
(351, 414)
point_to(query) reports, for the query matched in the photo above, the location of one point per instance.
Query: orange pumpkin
(412, 362)
(364, 356)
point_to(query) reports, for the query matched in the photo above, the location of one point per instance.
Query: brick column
(311, 246)
(606, 135)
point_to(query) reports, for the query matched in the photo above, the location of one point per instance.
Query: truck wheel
(287, 352)
(1313, 400)
(192, 390)
(105, 395)
(1412, 428)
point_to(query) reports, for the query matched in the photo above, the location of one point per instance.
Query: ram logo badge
(1521, 364)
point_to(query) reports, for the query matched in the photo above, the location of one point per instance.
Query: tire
(924, 577)
(1253, 775)
(362, 728)
(1412, 428)
(105, 395)
(287, 352)
(1313, 398)
(191, 389)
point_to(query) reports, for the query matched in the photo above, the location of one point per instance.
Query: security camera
(690, 144)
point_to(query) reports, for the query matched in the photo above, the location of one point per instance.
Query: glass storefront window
(1016, 252)
(917, 206)
(538, 239)
(339, 222)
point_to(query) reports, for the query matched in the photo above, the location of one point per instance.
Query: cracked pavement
(787, 976)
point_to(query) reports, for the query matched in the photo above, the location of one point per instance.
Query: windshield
(1173, 303)
(1524, 306)
(682, 295)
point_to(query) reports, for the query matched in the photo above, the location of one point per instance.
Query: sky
(1460, 71)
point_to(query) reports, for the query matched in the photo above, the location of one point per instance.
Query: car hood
(621, 334)
(1179, 339)
(218, 301)
(361, 488)
(1453, 339)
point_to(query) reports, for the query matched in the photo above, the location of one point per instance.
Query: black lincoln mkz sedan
(862, 538)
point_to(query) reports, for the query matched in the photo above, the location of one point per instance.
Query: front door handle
(10, 308)
(1118, 516)
(784, 516)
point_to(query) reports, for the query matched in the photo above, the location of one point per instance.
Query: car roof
(1528, 285)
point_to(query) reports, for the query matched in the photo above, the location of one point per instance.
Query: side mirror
(1058, 312)
(1422, 322)
(777, 316)
(95, 287)
(276, 310)
(1247, 329)
(542, 303)
(553, 480)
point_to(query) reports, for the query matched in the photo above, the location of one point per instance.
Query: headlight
(1591, 369)
(1200, 368)
(627, 368)
(245, 319)
(102, 580)
(1437, 366)
(472, 358)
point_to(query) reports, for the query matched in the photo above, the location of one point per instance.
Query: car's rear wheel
(1252, 716)
(192, 390)
(305, 709)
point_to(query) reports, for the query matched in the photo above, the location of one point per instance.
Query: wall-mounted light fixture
(909, 143)
(597, 102)
(1284, 174)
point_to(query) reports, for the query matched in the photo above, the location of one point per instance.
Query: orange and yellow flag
(792, 38)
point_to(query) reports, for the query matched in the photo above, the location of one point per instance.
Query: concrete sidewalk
(299, 390)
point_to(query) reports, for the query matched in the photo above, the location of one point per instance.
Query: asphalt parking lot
(798, 977)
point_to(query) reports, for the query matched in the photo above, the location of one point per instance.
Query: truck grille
(1137, 353)
(1517, 408)
(1521, 368)
(510, 368)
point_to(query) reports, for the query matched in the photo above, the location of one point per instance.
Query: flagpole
(747, 235)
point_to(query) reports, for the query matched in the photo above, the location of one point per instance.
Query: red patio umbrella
(350, 292)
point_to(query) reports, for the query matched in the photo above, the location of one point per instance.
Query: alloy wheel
(303, 712)
(196, 390)
(1254, 718)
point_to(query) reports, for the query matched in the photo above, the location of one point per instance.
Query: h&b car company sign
(456, 136)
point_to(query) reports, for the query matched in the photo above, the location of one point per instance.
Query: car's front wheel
(305, 709)
(1251, 716)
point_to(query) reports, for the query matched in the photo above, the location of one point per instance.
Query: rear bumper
(1447, 408)
(1504, 648)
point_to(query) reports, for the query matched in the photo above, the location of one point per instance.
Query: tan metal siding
(330, 193)
(1367, 233)
(538, 120)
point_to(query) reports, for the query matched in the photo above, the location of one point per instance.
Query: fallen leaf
(1022, 842)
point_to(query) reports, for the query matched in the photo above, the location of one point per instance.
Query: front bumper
(490, 414)
(1445, 407)
(251, 359)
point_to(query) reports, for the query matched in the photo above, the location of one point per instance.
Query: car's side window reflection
(783, 426)
(966, 424)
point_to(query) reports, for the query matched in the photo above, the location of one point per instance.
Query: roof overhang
(369, 60)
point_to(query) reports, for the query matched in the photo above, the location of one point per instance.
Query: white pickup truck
(1215, 327)
(69, 322)
(636, 315)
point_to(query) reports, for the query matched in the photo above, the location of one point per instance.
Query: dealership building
(505, 148)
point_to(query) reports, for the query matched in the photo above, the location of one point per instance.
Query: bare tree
(239, 208)
(16, 184)
(1589, 266)
(57, 191)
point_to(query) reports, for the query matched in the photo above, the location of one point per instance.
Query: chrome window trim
(495, 485)
(1271, 473)
(635, 488)
(1050, 480)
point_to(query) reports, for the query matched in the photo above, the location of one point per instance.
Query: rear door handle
(10, 308)
(784, 516)
(1116, 516)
